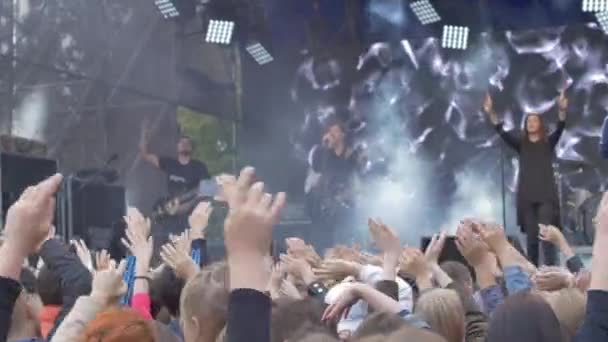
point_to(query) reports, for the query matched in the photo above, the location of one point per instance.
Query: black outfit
(9, 292)
(332, 200)
(595, 326)
(537, 197)
(76, 280)
(183, 177)
(248, 316)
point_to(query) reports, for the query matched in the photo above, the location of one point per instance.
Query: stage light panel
(595, 5)
(259, 53)
(220, 31)
(602, 20)
(455, 37)
(167, 8)
(424, 10)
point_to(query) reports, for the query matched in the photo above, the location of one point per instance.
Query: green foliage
(208, 134)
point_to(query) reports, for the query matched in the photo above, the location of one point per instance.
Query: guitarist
(183, 175)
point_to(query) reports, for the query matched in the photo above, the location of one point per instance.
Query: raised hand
(199, 220)
(488, 107)
(298, 268)
(179, 260)
(108, 285)
(551, 234)
(137, 222)
(341, 306)
(493, 235)
(384, 237)
(413, 262)
(84, 254)
(435, 247)
(29, 219)
(562, 103)
(183, 242)
(141, 247)
(553, 279)
(337, 269)
(102, 260)
(472, 248)
(248, 230)
(289, 290)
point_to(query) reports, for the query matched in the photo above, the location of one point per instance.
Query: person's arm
(28, 223)
(107, 288)
(557, 134)
(74, 276)
(509, 137)
(553, 235)
(595, 326)
(248, 237)
(143, 149)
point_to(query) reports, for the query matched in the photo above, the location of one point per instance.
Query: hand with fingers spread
(299, 268)
(137, 222)
(276, 279)
(108, 285)
(553, 279)
(102, 260)
(553, 235)
(435, 247)
(179, 260)
(183, 241)
(141, 247)
(337, 269)
(84, 254)
(248, 231)
(199, 220)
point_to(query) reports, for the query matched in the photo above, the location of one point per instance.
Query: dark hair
(185, 137)
(49, 287)
(288, 317)
(28, 280)
(379, 323)
(524, 317)
(458, 271)
(542, 130)
(165, 291)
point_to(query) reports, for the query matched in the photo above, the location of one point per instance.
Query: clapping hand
(108, 285)
(84, 254)
(178, 258)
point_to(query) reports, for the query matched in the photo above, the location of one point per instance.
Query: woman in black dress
(537, 197)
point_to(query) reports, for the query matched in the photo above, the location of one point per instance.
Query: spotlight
(171, 9)
(220, 31)
(595, 5)
(455, 37)
(167, 8)
(259, 53)
(602, 20)
(425, 12)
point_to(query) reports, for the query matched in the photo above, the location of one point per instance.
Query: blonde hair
(444, 312)
(205, 297)
(569, 306)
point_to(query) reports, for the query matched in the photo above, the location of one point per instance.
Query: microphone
(604, 139)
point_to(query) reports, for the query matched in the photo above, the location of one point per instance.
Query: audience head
(569, 306)
(119, 325)
(204, 304)
(524, 317)
(49, 287)
(411, 334)
(381, 323)
(444, 312)
(289, 317)
(165, 290)
(459, 273)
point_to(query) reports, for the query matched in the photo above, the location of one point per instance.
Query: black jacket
(9, 292)
(75, 278)
(248, 316)
(595, 327)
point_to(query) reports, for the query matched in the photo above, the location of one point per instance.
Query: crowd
(399, 294)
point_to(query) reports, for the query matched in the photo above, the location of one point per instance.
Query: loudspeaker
(18, 172)
(94, 212)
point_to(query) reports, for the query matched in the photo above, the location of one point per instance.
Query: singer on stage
(537, 197)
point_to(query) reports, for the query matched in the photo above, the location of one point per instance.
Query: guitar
(172, 206)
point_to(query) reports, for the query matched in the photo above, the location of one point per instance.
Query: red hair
(119, 325)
